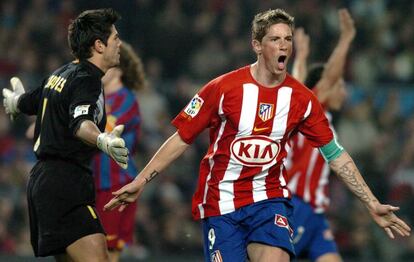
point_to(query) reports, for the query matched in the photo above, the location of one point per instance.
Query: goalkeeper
(70, 111)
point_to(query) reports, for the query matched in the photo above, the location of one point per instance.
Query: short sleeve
(29, 102)
(315, 126)
(199, 113)
(86, 101)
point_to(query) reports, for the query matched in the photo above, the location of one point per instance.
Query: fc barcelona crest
(265, 111)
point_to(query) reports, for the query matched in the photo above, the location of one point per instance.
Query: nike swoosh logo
(257, 129)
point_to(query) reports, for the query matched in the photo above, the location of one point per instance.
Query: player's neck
(112, 86)
(98, 62)
(264, 77)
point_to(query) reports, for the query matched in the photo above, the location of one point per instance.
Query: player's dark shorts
(61, 201)
(266, 222)
(313, 237)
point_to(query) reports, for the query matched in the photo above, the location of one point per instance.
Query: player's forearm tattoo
(348, 173)
(151, 176)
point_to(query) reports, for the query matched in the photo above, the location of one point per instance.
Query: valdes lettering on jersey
(56, 83)
(194, 106)
(254, 150)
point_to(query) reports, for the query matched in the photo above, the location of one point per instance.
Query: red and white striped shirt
(249, 127)
(308, 172)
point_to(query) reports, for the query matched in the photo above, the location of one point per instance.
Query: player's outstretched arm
(166, 154)
(110, 143)
(11, 97)
(335, 65)
(383, 215)
(301, 41)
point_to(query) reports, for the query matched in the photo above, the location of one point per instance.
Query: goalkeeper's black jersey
(70, 95)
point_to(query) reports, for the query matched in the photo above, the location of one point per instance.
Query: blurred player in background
(70, 117)
(242, 196)
(308, 171)
(122, 109)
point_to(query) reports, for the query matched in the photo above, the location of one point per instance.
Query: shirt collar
(95, 70)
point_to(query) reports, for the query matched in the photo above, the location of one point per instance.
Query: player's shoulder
(80, 76)
(71, 73)
(230, 79)
(126, 94)
(73, 70)
(237, 75)
(63, 70)
(299, 89)
(125, 91)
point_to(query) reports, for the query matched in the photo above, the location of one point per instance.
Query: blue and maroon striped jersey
(122, 108)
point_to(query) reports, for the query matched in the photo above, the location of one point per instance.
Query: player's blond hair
(133, 75)
(264, 20)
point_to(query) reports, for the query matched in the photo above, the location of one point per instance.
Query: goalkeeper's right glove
(113, 145)
(10, 98)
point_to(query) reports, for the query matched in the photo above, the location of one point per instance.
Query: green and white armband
(331, 151)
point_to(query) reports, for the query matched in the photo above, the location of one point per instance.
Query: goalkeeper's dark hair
(314, 75)
(89, 26)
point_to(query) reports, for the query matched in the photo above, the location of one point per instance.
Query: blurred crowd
(183, 44)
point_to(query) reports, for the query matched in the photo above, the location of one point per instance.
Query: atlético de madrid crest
(265, 111)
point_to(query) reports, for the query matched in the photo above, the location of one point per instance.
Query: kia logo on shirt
(254, 150)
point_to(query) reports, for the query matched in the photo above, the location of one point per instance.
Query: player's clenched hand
(11, 97)
(114, 146)
(346, 24)
(385, 218)
(127, 194)
(301, 41)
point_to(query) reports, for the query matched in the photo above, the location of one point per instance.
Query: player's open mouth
(281, 62)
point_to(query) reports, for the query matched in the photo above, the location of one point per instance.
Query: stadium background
(185, 43)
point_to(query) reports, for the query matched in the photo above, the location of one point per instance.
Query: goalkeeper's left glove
(11, 97)
(114, 146)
